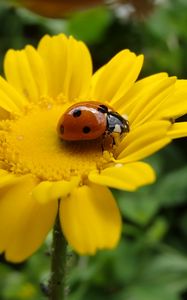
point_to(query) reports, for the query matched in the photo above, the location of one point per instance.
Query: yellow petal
(80, 70)
(149, 101)
(140, 89)
(47, 191)
(143, 141)
(7, 178)
(176, 104)
(116, 77)
(10, 99)
(67, 64)
(126, 177)
(24, 223)
(90, 219)
(178, 130)
(25, 71)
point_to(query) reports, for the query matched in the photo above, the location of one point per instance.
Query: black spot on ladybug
(86, 129)
(103, 108)
(61, 129)
(77, 113)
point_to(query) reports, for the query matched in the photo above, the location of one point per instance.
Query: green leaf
(90, 25)
(138, 206)
(172, 189)
(157, 230)
(150, 292)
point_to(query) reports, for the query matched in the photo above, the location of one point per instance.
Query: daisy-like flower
(41, 175)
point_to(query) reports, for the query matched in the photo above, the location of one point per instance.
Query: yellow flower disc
(31, 145)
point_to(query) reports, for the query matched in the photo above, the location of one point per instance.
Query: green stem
(57, 284)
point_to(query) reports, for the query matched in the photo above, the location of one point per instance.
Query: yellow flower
(38, 169)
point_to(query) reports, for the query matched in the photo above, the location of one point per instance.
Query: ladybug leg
(107, 141)
(116, 139)
(102, 146)
(113, 141)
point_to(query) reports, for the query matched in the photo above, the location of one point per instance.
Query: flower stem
(57, 283)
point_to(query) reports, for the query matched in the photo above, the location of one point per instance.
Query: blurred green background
(150, 262)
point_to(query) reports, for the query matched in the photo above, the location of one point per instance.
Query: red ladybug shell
(83, 121)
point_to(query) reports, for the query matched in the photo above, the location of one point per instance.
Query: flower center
(31, 145)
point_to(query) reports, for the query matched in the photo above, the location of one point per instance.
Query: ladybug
(89, 121)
